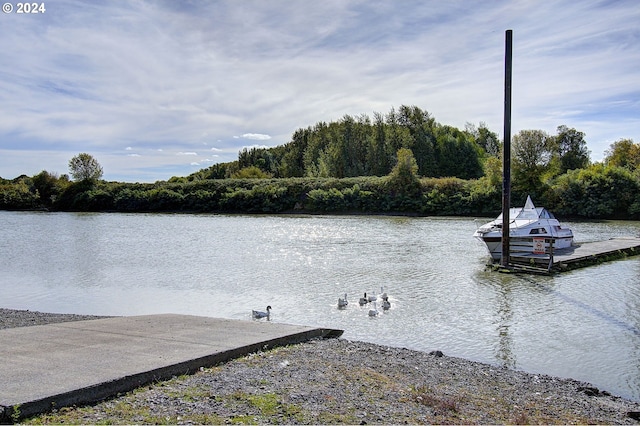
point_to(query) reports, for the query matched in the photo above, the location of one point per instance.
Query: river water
(583, 324)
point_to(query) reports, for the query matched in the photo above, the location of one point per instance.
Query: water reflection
(587, 308)
(505, 316)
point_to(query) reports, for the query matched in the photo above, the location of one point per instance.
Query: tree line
(365, 146)
(401, 162)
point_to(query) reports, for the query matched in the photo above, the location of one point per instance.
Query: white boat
(532, 229)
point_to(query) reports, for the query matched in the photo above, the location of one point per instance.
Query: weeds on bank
(15, 413)
(191, 393)
(264, 405)
(426, 396)
(116, 413)
(122, 412)
(521, 419)
(125, 409)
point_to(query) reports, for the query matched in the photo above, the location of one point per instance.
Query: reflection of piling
(506, 149)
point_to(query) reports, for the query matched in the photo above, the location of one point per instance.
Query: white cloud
(256, 136)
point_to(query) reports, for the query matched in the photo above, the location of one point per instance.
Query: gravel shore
(337, 381)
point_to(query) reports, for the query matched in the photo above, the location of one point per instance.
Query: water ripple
(442, 297)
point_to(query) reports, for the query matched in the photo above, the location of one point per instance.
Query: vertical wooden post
(506, 149)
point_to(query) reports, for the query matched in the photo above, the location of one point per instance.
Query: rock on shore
(347, 382)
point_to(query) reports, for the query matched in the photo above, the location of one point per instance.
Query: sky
(155, 89)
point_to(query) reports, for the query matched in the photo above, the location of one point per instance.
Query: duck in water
(261, 314)
(342, 303)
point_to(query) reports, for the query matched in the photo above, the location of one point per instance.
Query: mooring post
(506, 149)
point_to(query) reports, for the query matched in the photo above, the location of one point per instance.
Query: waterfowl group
(368, 298)
(342, 303)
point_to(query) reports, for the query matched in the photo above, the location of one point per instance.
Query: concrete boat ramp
(80, 362)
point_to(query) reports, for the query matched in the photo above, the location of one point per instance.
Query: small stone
(635, 415)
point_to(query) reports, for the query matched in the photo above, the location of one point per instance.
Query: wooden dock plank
(596, 248)
(580, 255)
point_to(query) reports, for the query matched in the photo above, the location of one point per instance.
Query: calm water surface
(583, 324)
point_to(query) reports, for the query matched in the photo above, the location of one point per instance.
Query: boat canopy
(528, 212)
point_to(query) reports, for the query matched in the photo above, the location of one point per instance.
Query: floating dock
(577, 256)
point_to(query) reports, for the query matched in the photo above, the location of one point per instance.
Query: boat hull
(526, 245)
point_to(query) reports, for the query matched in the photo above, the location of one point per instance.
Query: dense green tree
(493, 172)
(531, 149)
(404, 175)
(397, 136)
(292, 164)
(485, 194)
(421, 129)
(457, 154)
(83, 167)
(263, 158)
(332, 161)
(531, 153)
(16, 195)
(317, 142)
(49, 186)
(359, 135)
(623, 153)
(485, 138)
(251, 172)
(569, 150)
(378, 160)
(596, 192)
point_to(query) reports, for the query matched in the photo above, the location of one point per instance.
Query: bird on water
(261, 314)
(383, 294)
(386, 304)
(373, 312)
(342, 303)
(363, 300)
